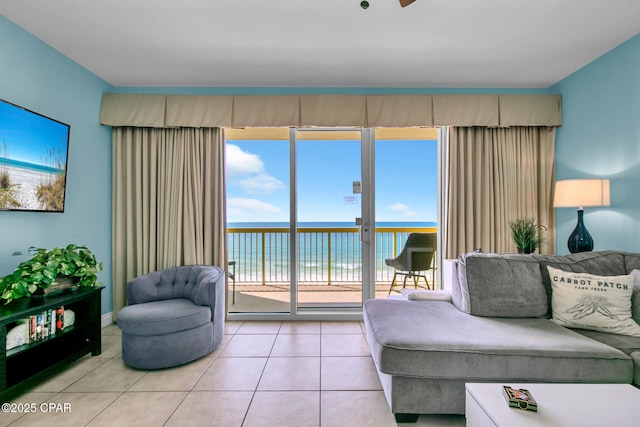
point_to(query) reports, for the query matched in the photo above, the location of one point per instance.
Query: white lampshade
(572, 193)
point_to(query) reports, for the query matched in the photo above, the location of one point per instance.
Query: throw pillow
(599, 303)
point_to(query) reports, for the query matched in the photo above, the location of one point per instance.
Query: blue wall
(600, 137)
(37, 77)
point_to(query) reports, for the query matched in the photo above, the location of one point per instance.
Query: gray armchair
(173, 316)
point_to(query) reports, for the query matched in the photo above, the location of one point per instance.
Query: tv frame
(25, 126)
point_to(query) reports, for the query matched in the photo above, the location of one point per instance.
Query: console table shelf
(31, 345)
(24, 366)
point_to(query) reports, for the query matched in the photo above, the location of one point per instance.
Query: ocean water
(322, 256)
(28, 166)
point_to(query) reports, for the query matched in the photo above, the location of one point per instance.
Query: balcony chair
(232, 276)
(416, 257)
(173, 316)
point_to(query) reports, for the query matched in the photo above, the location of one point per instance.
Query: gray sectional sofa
(497, 328)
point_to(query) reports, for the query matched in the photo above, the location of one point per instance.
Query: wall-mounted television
(33, 160)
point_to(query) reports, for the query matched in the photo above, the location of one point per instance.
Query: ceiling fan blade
(405, 3)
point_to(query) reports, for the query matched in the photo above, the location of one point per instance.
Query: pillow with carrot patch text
(599, 303)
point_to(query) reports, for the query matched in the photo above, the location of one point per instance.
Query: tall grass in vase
(527, 234)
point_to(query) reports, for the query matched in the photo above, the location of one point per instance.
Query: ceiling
(329, 43)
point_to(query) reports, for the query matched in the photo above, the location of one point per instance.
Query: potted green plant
(527, 234)
(51, 270)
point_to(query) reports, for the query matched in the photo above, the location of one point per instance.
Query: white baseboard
(106, 319)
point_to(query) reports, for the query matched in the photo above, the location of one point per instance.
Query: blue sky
(258, 180)
(29, 137)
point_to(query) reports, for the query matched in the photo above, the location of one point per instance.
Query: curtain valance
(198, 111)
(466, 110)
(330, 110)
(399, 110)
(133, 110)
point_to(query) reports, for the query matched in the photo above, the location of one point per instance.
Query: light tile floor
(268, 374)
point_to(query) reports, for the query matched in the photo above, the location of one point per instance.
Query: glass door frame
(369, 214)
(367, 230)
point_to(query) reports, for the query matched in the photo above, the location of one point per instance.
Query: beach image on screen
(33, 160)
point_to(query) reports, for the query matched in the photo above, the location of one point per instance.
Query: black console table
(24, 366)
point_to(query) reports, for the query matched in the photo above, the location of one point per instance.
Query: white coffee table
(559, 405)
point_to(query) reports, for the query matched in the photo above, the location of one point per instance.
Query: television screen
(33, 160)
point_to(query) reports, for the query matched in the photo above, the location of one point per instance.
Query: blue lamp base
(580, 240)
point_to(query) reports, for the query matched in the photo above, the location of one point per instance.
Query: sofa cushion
(635, 297)
(497, 285)
(162, 317)
(432, 339)
(631, 262)
(587, 301)
(624, 343)
(636, 362)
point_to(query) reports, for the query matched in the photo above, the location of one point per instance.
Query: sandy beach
(28, 185)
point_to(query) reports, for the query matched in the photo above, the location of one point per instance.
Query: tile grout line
(191, 389)
(119, 355)
(253, 395)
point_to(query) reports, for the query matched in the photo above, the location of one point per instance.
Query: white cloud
(249, 168)
(403, 209)
(241, 206)
(399, 207)
(262, 183)
(240, 162)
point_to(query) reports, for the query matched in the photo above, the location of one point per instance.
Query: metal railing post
(329, 258)
(264, 264)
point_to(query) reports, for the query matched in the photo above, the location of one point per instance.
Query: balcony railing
(325, 255)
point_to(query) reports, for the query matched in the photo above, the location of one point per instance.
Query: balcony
(328, 266)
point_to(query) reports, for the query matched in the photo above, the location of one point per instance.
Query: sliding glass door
(332, 218)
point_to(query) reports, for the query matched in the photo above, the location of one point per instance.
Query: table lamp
(579, 193)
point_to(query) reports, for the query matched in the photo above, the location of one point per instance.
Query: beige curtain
(494, 176)
(168, 201)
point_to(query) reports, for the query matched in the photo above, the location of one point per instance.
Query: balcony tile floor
(275, 298)
(267, 374)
